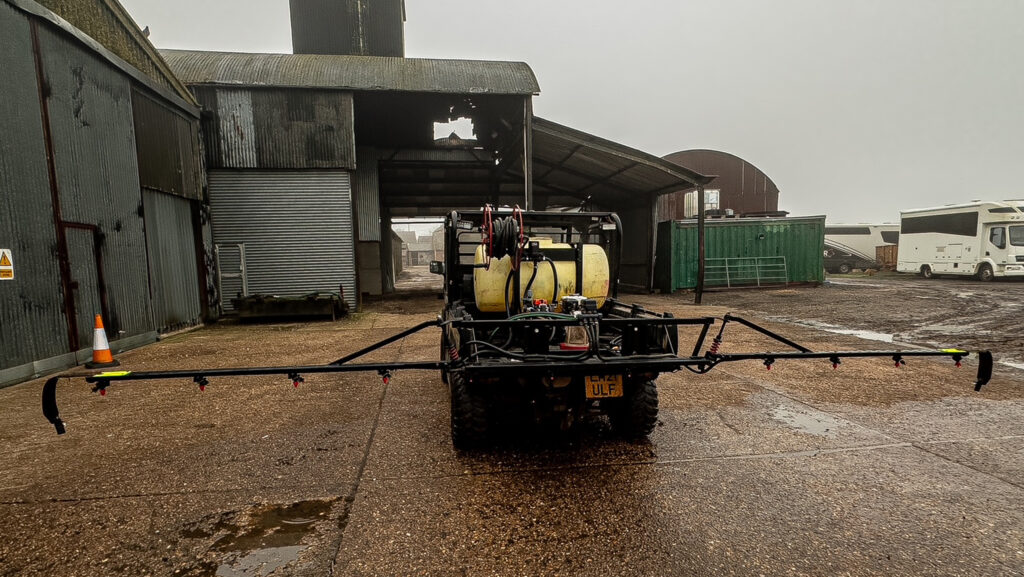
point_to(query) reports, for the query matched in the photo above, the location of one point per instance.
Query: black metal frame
(591, 362)
(455, 269)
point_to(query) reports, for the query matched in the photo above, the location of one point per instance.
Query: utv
(532, 324)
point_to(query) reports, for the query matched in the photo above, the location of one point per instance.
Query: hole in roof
(454, 131)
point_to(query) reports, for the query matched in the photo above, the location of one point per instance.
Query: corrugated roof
(570, 160)
(352, 72)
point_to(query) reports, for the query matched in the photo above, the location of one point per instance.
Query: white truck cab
(980, 239)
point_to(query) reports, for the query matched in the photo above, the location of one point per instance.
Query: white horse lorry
(850, 246)
(980, 239)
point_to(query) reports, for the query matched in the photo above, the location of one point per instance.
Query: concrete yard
(799, 471)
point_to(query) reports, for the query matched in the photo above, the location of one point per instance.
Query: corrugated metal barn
(281, 129)
(740, 187)
(101, 187)
(369, 122)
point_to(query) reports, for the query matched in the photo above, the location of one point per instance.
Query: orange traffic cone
(101, 356)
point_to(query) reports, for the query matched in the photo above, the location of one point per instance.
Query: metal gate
(296, 226)
(749, 271)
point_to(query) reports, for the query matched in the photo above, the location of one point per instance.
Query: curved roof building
(743, 188)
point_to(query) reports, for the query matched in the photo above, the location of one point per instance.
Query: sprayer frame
(648, 342)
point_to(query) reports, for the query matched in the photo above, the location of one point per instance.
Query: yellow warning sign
(6, 264)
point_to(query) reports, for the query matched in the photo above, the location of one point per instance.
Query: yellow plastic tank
(489, 284)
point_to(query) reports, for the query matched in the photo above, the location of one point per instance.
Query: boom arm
(590, 362)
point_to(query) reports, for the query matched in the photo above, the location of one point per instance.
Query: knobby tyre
(637, 414)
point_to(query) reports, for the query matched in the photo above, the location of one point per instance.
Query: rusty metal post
(699, 293)
(63, 253)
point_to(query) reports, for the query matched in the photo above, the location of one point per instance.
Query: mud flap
(984, 369)
(50, 410)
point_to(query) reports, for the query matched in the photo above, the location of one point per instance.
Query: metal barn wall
(170, 243)
(109, 28)
(92, 122)
(367, 194)
(167, 144)
(800, 239)
(360, 27)
(277, 128)
(98, 175)
(743, 187)
(32, 325)
(297, 227)
(367, 191)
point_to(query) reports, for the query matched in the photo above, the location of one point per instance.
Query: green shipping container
(742, 252)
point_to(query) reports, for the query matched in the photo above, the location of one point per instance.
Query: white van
(980, 239)
(850, 246)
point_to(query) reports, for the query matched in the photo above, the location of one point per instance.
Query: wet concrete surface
(418, 279)
(903, 308)
(803, 470)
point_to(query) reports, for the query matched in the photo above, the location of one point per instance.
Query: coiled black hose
(505, 241)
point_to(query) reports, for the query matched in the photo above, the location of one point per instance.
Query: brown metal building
(742, 187)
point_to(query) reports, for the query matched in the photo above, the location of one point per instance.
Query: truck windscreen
(1017, 235)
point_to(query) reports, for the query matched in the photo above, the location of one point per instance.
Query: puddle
(260, 563)
(951, 329)
(261, 541)
(819, 424)
(855, 284)
(1013, 364)
(869, 335)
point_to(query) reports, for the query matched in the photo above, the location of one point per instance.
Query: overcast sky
(855, 109)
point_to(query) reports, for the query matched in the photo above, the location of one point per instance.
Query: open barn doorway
(415, 243)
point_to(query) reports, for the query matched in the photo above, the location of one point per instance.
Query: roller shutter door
(296, 226)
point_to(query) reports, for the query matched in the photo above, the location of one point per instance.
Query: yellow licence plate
(603, 386)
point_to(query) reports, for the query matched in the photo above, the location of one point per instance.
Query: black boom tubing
(590, 363)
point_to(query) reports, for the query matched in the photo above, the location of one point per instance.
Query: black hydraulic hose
(554, 274)
(508, 283)
(522, 357)
(488, 345)
(533, 277)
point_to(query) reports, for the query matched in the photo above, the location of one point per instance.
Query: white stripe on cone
(99, 340)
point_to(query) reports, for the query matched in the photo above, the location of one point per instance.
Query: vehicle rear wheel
(926, 271)
(845, 268)
(469, 415)
(636, 414)
(985, 273)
